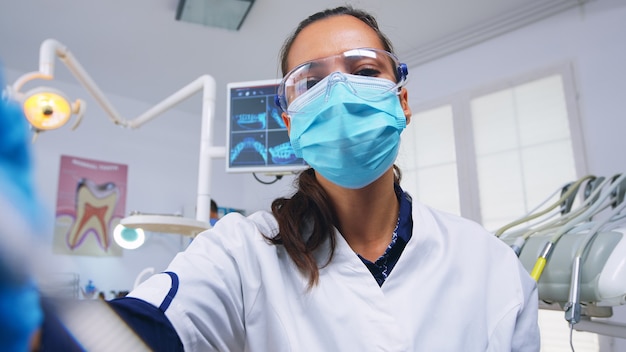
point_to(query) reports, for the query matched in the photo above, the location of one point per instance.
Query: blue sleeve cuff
(149, 323)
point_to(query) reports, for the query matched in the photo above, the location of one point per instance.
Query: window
(494, 154)
(523, 147)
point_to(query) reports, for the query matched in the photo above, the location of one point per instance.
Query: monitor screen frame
(268, 169)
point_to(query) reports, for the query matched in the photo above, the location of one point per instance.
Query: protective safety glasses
(366, 62)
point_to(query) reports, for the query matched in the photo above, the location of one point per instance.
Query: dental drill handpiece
(573, 307)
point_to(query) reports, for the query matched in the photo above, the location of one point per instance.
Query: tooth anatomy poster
(91, 200)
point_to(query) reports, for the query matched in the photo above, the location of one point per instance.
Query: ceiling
(137, 49)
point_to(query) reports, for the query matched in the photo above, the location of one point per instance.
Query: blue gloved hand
(16, 179)
(20, 309)
(20, 314)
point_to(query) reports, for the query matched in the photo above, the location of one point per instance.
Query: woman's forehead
(331, 36)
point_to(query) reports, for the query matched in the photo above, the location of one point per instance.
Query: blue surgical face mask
(344, 134)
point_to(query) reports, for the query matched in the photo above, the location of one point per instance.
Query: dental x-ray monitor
(257, 139)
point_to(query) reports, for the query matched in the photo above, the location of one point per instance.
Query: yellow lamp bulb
(47, 110)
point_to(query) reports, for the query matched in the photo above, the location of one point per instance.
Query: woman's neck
(367, 216)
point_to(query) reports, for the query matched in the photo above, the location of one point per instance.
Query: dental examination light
(47, 109)
(128, 237)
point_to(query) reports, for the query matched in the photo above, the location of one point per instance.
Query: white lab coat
(456, 287)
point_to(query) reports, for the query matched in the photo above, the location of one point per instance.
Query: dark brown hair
(342, 10)
(307, 219)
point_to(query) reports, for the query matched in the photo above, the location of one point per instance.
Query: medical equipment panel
(257, 138)
(603, 269)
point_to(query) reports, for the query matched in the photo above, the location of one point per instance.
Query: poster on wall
(91, 200)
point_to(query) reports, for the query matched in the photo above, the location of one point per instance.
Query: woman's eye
(369, 72)
(311, 82)
(303, 84)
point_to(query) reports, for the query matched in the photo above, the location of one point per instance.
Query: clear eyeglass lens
(362, 62)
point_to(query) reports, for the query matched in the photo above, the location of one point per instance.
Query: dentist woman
(325, 270)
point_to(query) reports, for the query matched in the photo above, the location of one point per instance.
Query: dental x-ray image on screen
(257, 139)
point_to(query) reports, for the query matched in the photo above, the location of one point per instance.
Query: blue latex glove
(16, 179)
(20, 309)
(20, 315)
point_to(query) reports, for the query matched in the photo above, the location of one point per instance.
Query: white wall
(592, 39)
